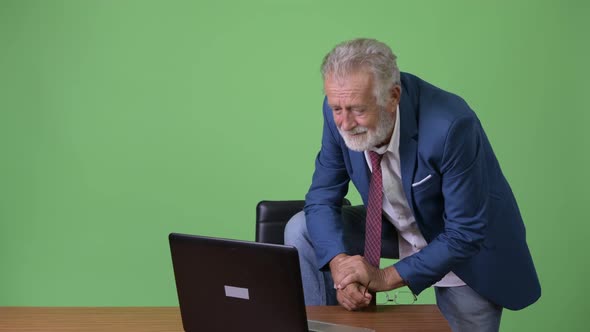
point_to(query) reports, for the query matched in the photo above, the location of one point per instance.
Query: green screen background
(122, 121)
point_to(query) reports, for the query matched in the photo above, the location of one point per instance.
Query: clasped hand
(351, 275)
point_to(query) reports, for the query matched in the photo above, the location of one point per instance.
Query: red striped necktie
(374, 212)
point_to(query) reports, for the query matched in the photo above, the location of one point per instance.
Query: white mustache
(355, 131)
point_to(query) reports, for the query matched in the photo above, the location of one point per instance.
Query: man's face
(360, 120)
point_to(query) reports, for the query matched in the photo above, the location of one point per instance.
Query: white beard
(366, 139)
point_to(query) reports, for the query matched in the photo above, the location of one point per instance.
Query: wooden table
(425, 318)
(382, 318)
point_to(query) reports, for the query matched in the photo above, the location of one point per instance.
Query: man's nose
(347, 122)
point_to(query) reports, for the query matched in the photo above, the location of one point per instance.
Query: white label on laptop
(237, 292)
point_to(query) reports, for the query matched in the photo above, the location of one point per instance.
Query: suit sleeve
(323, 202)
(465, 190)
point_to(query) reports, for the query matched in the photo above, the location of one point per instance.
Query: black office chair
(272, 217)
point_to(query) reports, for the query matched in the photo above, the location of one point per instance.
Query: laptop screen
(231, 285)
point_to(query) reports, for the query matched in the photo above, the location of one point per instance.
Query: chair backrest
(272, 217)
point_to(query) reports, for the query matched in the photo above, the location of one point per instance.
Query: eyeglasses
(400, 297)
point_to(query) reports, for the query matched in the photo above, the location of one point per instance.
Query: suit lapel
(362, 174)
(408, 144)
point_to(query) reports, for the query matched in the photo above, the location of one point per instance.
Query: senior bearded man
(433, 192)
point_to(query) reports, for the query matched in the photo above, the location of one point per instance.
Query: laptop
(232, 285)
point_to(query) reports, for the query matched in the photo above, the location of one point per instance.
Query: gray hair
(368, 54)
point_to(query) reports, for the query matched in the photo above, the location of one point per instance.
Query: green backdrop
(122, 121)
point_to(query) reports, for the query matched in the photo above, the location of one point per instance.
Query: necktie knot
(375, 159)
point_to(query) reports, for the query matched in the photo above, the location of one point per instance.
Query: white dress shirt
(396, 207)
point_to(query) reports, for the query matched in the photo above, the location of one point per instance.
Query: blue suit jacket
(466, 210)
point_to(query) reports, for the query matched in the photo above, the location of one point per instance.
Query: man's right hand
(353, 297)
